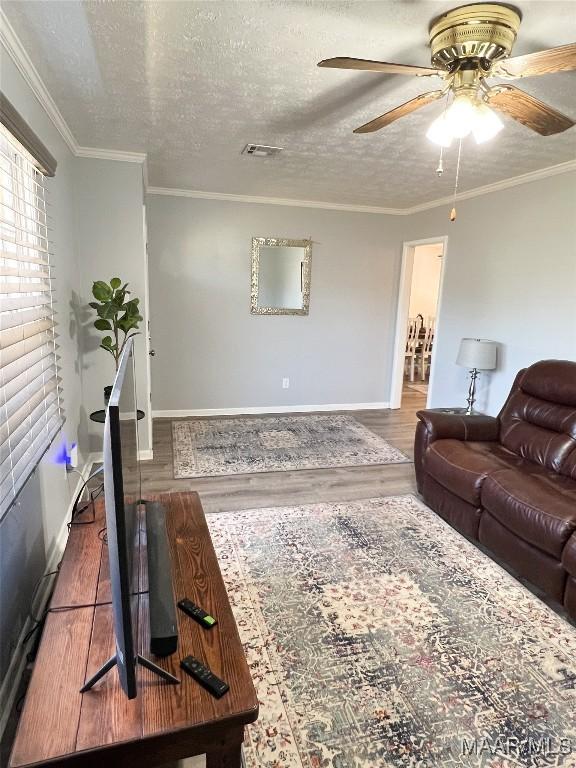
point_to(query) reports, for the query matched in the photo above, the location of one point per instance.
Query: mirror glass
(280, 276)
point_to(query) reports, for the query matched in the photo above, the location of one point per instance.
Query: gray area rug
(378, 637)
(208, 447)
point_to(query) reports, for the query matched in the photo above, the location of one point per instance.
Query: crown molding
(23, 63)
(145, 174)
(200, 195)
(525, 178)
(497, 186)
(95, 153)
(19, 56)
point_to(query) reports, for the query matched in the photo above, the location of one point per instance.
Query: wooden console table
(60, 726)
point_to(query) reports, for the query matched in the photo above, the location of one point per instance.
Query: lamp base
(471, 399)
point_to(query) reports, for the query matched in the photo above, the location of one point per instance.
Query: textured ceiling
(190, 83)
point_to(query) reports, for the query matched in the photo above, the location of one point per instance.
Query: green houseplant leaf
(101, 291)
(116, 313)
(102, 325)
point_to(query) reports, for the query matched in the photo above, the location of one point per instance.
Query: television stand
(112, 661)
(164, 723)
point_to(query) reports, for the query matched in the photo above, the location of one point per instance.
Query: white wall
(212, 353)
(31, 532)
(110, 234)
(510, 276)
(425, 280)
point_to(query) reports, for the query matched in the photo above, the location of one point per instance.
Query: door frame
(404, 289)
(147, 329)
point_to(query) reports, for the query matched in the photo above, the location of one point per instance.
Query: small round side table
(100, 416)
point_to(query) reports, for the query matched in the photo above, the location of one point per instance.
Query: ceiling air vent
(261, 150)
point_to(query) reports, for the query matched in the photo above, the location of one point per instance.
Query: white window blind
(30, 407)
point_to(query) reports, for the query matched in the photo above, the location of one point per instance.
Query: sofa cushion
(538, 421)
(568, 466)
(552, 380)
(544, 433)
(461, 515)
(462, 467)
(538, 506)
(570, 597)
(569, 556)
(530, 562)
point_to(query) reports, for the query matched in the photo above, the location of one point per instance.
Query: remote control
(196, 613)
(204, 676)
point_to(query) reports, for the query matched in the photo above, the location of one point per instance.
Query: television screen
(122, 490)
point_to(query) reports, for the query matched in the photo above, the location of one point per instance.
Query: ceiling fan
(469, 45)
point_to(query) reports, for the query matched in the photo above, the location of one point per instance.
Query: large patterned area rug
(207, 447)
(378, 637)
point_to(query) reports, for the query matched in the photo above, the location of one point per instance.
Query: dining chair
(425, 352)
(411, 345)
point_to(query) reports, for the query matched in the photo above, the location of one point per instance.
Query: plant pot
(107, 393)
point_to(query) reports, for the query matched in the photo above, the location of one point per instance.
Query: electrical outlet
(72, 457)
(286, 383)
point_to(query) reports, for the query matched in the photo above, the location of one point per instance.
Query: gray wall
(510, 276)
(213, 354)
(110, 233)
(29, 531)
(96, 210)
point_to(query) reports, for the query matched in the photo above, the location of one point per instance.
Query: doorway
(416, 321)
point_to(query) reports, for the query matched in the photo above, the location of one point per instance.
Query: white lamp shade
(477, 353)
(486, 124)
(439, 133)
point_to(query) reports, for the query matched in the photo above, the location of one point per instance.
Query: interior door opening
(416, 326)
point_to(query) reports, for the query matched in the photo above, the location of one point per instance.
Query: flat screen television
(122, 491)
(122, 498)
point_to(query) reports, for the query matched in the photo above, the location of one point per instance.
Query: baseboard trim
(251, 410)
(11, 682)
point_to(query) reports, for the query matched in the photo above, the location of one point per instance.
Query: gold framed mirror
(281, 271)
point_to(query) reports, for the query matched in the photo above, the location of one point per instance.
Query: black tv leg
(156, 669)
(101, 672)
(139, 660)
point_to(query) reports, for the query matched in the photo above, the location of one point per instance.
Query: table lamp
(476, 354)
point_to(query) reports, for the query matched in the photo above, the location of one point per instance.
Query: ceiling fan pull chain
(453, 211)
(440, 169)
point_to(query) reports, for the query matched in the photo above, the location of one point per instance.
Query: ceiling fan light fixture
(460, 116)
(487, 124)
(439, 132)
(470, 45)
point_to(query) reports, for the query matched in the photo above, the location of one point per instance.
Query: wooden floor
(268, 489)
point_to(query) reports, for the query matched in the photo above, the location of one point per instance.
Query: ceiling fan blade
(398, 112)
(561, 59)
(529, 111)
(343, 62)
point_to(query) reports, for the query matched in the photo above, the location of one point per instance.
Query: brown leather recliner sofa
(510, 481)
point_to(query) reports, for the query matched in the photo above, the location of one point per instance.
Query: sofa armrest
(458, 426)
(437, 426)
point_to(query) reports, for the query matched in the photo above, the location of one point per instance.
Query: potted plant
(116, 313)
